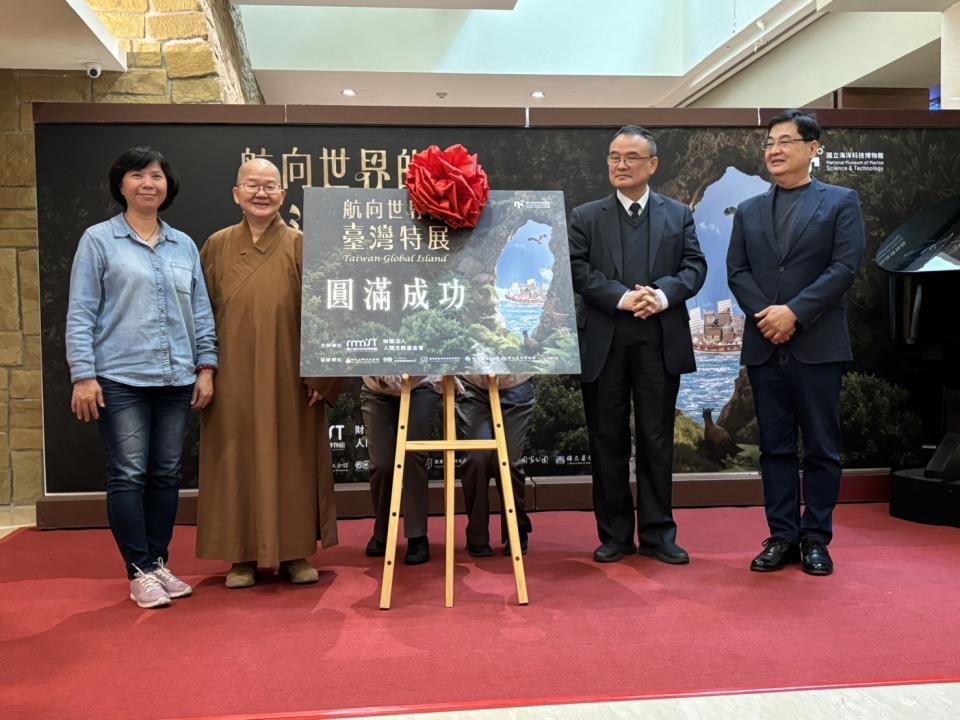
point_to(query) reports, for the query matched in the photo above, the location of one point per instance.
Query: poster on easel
(388, 292)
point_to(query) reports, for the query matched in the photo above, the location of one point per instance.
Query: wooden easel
(450, 445)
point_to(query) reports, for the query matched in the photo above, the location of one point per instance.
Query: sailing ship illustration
(528, 293)
(718, 331)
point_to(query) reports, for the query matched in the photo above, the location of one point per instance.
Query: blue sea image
(518, 317)
(713, 383)
(524, 272)
(711, 386)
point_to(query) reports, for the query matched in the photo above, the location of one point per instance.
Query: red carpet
(73, 646)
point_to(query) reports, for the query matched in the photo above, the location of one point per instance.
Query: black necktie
(635, 211)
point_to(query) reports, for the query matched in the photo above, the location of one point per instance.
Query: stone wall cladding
(231, 48)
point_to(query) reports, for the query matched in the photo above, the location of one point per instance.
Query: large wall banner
(381, 284)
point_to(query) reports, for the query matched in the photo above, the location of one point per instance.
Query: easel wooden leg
(509, 505)
(449, 474)
(449, 447)
(400, 457)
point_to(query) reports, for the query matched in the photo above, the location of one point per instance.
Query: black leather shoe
(479, 550)
(668, 552)
(612, 552)
(376, 548)
(815, 557)
(777, 553)
(523, 546)
(418, 551)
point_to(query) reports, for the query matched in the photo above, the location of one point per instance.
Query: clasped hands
(642, 301)
(777, 323)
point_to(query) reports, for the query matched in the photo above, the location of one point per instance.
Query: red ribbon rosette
(449, 185)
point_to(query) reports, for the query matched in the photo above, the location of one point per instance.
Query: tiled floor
(900, 702)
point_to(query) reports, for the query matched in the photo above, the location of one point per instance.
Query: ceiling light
(538, 94)
(348, 92)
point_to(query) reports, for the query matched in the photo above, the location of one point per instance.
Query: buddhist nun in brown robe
(266, 482)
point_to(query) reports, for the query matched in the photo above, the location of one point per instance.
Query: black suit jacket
(811, 278)
(677, 267)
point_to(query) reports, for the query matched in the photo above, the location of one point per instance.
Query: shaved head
(257, 165)
(259, 191)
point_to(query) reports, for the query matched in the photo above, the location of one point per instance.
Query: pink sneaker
(172, 585)
(147, 592)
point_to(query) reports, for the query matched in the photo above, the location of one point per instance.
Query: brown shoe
(300, 572)
(242, 575)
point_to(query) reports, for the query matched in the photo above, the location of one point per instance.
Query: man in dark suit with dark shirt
(794, 252)
(635, 261)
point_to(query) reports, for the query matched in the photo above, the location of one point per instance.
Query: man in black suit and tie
(794, 252)
(635, 261)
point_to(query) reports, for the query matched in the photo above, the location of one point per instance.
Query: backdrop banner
(897, 172)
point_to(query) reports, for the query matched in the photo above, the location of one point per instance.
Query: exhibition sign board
(388, 292)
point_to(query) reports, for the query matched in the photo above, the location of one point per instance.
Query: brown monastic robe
(266, 482)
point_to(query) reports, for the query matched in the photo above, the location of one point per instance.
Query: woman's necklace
(155, 233)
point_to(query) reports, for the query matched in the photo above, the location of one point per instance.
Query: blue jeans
(142, 430)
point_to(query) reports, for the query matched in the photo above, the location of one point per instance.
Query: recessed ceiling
(417, 56)
(464, 65)
(919, 69)
(56, 35)
(312, 87)
(481, 57)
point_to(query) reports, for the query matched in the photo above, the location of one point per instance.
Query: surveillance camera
(94, 70)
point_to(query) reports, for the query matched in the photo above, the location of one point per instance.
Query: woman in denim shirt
(142, 351)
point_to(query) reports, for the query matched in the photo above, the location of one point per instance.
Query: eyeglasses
(269, 188)
(628, 160)
(770, 143)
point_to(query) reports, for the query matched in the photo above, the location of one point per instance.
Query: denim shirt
(137, 315)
